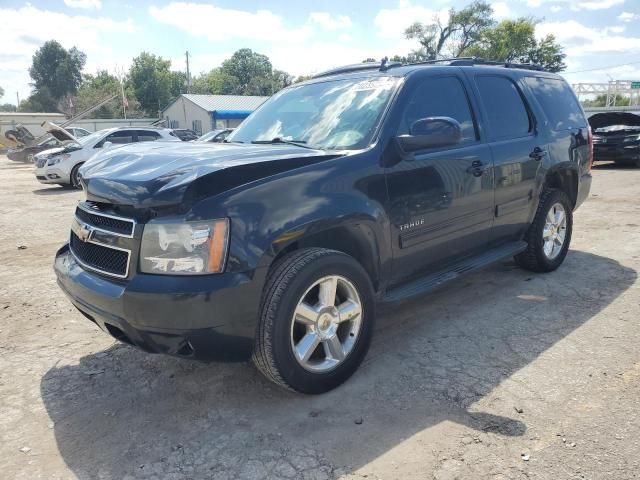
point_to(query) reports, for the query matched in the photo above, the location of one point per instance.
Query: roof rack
(385, 65)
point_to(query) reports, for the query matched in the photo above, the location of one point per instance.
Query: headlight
(185, 248)
(57, 159)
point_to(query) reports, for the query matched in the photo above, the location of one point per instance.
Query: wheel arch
(563, 178)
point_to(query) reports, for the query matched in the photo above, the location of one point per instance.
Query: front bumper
(619, 152)
(205, 317)
(50, 175)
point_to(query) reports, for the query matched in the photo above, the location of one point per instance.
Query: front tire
(549, 235)
(316, 322)
(74, 178)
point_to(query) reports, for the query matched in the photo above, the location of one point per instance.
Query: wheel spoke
(348, 310)
(306, 346)
(551, 217)
(546, 232)
(306, 314)
(333, 348)
(559, 217)
(327, 294)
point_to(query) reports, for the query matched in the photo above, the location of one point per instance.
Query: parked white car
(78, 132)
(61, 164)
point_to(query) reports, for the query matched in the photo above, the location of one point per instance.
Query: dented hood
(160, 175)
(601, 120)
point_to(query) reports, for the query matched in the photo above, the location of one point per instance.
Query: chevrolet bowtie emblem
(84, 232)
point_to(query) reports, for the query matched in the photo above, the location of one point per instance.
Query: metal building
(203, 113)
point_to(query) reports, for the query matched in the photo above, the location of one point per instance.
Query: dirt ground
(503, 374)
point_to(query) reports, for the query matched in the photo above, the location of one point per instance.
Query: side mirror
(106, 144)
(431, 132)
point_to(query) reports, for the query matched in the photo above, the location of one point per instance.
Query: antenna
(188, 73)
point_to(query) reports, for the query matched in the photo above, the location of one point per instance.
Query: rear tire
(548, 242)
(74, 178)
(298, 310)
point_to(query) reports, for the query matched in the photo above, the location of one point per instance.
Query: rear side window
(147, 136)
(123, 136)
(558, 102)
(504, 108)
(440, 97)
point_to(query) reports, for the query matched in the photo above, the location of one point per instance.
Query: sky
(301, 37)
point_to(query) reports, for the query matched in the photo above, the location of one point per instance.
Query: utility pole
(188, 73)
(18, 99)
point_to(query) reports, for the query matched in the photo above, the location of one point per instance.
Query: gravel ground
(503, 374)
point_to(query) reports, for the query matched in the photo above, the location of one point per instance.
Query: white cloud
(628, 16)
(392, 22)
(330, 22)
(219, 24)
(85, 4)
(501, 9)
(580, 40)
(596, 4)
(20, 39)
(555, 8)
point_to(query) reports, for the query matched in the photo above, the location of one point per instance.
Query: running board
(430, 282)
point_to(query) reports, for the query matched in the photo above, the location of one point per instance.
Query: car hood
(58, 132)
(160, 175)
(601, 120)
(49, 151)
(17, 137)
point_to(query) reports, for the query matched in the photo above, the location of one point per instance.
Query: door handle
(538, 153)
(476, 169)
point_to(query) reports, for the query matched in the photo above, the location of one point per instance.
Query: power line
(602, 68)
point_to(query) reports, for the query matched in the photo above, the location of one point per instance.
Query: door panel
(517, 153)
(440, 208)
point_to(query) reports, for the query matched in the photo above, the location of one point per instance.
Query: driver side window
(440, 97)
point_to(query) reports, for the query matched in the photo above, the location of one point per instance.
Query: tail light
(590, 142)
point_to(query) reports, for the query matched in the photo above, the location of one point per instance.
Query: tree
(245, 73)
(8, 107)
(1, 92)
(601, 101)
(153, 82)
(515, 41)
(57, 70)
(98, 87)
(463, 29)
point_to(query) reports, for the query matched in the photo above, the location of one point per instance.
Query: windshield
(334, 115)
(91, 138)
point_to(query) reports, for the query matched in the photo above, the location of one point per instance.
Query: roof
(212, 103)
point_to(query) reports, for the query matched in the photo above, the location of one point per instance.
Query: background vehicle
(77, 131)
(60, 165)
(185, 134)
(215, 136)
(25, 154)
(366, 184)
(616, 137)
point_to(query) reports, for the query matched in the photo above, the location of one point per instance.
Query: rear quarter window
(558, 102)
(504, 107)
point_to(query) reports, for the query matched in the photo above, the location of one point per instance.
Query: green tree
(515, 41)
(463, 29)
(57, 70)
(40, 100)
(153, 82)
(601, 101)
(245, 73)
(8, 107)
(98, 87)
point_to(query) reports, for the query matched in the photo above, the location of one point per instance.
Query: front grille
(103, 259)
(109, 223)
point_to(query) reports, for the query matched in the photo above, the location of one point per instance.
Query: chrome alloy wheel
(326, 324)
(555, 231)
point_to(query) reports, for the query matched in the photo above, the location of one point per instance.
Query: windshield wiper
(278, 140)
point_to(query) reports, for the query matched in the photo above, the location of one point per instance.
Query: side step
(432, 281)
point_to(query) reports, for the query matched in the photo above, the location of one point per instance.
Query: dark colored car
(363, 185)
(25, 154)
(616, 137)
(215, 136)
(185, 134)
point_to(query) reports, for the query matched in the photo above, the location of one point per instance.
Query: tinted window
(123, 136)
(147, 136)
(440, 97)
(558, 102)
(504, 108)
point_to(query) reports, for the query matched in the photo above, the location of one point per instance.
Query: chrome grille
(102, 242)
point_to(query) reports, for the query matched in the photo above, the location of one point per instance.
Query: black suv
(366, 184)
